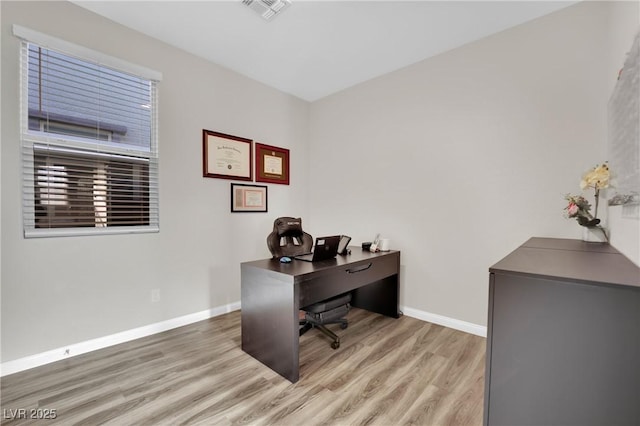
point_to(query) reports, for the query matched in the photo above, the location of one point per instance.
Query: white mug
(385, 244)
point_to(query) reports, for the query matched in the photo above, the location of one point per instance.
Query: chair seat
(329, 304)
(331, 315)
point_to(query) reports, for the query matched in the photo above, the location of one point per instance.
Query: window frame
(33, 140)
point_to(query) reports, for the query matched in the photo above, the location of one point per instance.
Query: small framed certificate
(248, 198)
(226, 156)
(272, 164)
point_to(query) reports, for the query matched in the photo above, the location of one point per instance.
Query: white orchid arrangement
(597, 178)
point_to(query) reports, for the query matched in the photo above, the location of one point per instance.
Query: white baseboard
(467, 327)
(53, 355)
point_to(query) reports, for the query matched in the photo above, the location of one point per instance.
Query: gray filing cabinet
(563, 337)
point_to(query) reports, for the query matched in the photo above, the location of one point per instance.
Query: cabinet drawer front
(348, 277)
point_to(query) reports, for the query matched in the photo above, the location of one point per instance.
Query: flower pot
(594, 234)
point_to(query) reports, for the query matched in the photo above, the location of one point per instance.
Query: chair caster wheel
(335, 345)
(344, 325)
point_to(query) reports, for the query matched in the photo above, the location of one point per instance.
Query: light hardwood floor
(386, 372)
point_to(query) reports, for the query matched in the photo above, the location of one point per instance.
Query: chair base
(335, 344)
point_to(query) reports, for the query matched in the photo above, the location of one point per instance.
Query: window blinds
(89, 144)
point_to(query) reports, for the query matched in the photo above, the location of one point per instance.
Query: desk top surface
(300, 267)
(573, 260)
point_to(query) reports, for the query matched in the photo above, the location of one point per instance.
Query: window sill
(76, 232)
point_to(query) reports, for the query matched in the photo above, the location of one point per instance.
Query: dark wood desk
(273, 293)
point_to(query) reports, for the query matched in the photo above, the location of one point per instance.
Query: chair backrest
(288, 238)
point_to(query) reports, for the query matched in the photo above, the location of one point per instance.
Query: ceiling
(316, 48)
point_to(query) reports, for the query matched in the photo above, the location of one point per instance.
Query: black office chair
(288, 239)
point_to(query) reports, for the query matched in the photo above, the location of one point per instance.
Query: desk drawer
(348, 277)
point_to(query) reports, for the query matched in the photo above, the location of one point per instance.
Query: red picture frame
(272, 164)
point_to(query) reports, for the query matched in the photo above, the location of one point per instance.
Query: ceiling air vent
(268, 9)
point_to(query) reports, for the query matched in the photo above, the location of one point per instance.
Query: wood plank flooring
(386, 372)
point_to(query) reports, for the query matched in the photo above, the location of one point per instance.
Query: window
(89, 139)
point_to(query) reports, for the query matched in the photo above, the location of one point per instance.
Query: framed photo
(248, 198)
(272, 164)
(226, 156)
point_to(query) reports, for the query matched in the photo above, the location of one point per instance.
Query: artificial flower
(572, 209)
(597, 178)
(580, 208)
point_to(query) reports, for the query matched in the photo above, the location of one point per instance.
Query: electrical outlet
(155, 295)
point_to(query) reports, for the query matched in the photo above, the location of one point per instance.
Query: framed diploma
(272, 164)
(248, 198)
(225, 156)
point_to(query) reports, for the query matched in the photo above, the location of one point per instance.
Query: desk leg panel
(380, 296)
(269, 318)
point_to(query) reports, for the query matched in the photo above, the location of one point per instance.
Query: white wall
(61, 291)
(462, 157)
